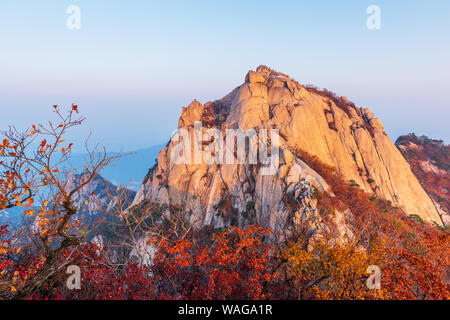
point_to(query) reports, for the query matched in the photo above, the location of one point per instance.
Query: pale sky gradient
(134, 64)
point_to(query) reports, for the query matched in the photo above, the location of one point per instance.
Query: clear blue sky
(134, 64)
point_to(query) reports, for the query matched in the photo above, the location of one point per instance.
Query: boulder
(255, 77)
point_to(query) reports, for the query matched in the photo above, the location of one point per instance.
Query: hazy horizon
(131, 67)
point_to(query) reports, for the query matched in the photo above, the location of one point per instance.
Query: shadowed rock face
(429, 160)
(317, 122)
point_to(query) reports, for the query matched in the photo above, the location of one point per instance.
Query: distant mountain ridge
(99, 195)
(129, 170)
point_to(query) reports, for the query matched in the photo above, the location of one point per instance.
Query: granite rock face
(219, 193)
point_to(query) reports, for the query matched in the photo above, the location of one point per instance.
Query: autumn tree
(35, 169)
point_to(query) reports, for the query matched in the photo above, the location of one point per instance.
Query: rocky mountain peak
(307, 120)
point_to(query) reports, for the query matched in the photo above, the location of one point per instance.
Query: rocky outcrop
(315, 121)
(98, 196)
(429, 160)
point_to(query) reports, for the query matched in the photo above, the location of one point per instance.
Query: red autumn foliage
(234, 264)
(419, 252)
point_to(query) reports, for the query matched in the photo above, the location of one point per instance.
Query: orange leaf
(18, 203)
(29, 202)
(29, 213)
